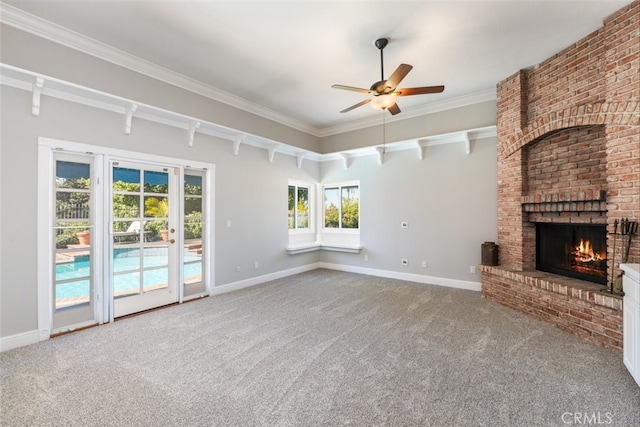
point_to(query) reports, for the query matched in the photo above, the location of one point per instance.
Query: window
(298, 207)
(342, 207)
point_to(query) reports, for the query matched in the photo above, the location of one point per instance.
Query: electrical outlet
(404, 261)
(256, 265)
(472, 269)
(228, 223)
(424, 264)
(238, 268)
(366, 257)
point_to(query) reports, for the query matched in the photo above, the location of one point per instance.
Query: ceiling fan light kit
(382, 102)
(384, 93)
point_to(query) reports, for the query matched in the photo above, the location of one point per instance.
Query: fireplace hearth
(578, 251)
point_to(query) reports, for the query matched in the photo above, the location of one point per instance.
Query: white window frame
(311, 208)
(328, 239)
(339, 186)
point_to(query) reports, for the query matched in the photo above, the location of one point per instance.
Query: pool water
(125, 280)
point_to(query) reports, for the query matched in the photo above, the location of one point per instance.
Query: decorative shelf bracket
(37, 92)
(420, 148)
(272, 152)
(345, 158)
(467, 143)
(380, 151)
(127, 121)
(192, 132)
(236, 143)
(300, 157)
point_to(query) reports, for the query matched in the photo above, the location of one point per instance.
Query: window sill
(316, 246)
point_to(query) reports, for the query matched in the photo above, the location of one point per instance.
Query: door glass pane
(125, 179)
(72, 234)
(192, 262)
(156, 182)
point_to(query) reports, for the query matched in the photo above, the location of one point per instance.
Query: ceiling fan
(385, 92)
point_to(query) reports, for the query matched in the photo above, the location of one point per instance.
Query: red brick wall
(595, 317)
(569, 151)
(570, 160)
(595, 82)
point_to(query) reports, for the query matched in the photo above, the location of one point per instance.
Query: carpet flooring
(322, 348)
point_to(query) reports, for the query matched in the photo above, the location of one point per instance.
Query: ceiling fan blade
(394, 109)
(397, 76)
(354, 89)
(359, 104)
(418, 90)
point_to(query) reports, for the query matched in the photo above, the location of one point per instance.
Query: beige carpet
(320, 348)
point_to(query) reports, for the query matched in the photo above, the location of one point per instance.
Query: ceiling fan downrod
(380, 44)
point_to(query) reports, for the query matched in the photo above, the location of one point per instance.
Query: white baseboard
(419, 278)
(19, 340)
(234, 286)
(32, 337)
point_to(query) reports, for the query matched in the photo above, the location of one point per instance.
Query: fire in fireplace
(578, 251)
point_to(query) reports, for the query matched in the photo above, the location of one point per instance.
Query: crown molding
(447, 104)
(32, 24)
(42, 85)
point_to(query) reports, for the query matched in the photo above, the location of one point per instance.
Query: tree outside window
(342, 207)
(298, 217)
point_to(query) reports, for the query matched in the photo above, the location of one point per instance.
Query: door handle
(173, 230)
(172, 241)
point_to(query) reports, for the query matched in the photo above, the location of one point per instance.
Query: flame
(584, 252)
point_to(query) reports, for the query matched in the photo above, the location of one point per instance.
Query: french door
(119, 232)
(145, 236)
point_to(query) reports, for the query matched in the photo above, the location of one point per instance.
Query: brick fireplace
(569, 153)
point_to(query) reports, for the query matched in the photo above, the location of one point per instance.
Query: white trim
(20, 340)
(418, 278)
(45, 240)
(46, 149)
(32, 337)
(32, 24)
(317, 246)
(257, 280)
(434, 107)
(23, 79)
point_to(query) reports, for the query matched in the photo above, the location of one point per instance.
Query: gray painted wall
(250, 191)
(448, 198)
(443, 122)
(32, 53)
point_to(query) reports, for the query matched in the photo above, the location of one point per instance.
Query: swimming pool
(126, 278)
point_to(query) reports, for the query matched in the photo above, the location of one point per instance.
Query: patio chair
(134, 230)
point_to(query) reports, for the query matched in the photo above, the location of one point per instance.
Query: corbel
(420, 148)
(272, 152)
(192, 132)
(37, 92)
(127, 122)
(380, 151)
(467, 143)
(345, 158)
(236, 143)
(300, 157)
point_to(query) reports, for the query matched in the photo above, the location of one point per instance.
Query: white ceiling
(284, 56)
